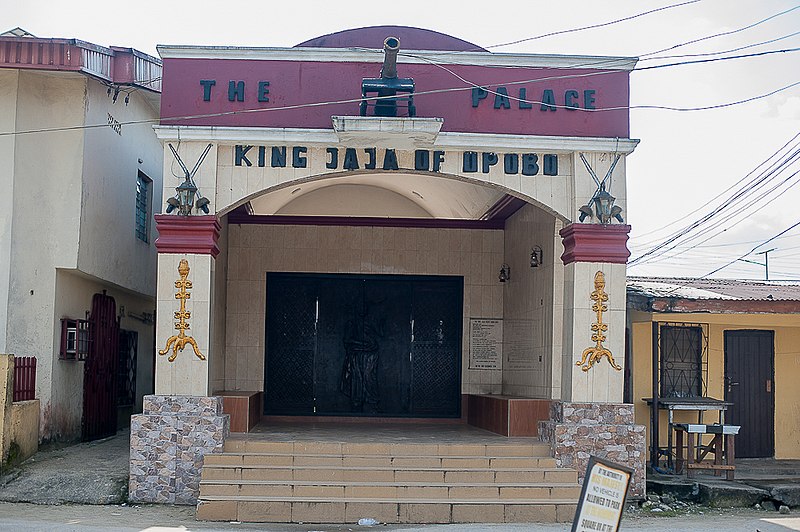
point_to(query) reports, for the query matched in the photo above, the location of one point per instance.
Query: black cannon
(388, 85)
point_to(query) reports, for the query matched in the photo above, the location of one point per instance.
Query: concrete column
(590, 419)
(596, 380)
(180, 424)
(187, 247)
(186, 373)
(594, 262)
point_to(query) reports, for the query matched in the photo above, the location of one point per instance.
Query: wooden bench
(721, 446)
(243, 407)
(507, 415)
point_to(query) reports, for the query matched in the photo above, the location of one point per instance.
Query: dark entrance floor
(384, 432)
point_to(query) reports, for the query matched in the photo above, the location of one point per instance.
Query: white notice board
(485, 343)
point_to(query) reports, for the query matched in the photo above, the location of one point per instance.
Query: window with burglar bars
(142, 206)
(684, 359)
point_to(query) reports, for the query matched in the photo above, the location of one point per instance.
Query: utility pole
(766, 261)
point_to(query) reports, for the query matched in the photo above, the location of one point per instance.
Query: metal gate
(363, 345)
(126, 368)
(99, 371)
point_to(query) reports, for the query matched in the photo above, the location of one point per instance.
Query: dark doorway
(100, 370)
(749, 385)
(363, 345)
(126, 376)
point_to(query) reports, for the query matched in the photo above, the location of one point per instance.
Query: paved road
(157, 518)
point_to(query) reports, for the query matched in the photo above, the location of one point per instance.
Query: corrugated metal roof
(718, 289)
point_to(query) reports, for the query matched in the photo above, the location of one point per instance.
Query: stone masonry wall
(606, 430)
(168, 442)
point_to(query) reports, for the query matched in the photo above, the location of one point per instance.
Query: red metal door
(749, 385)
(100, 371)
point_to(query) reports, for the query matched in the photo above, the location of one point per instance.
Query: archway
(412, 262)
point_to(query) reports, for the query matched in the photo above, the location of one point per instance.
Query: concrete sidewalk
(763, 481)
(85, 473)
(77, 518)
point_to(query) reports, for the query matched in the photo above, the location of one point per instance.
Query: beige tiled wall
(254, 250)
(218, 301)
(529, 305)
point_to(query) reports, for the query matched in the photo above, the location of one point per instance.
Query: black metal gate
(126, 368)
(363, 345)
(100, 370)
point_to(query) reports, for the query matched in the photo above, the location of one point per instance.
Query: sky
(686, 160)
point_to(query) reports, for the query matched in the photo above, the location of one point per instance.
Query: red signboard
(555, 101)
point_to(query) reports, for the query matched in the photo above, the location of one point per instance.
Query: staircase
(330, 482)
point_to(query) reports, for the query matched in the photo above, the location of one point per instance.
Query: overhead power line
(720, 52)
(707, 203)
(593, 26)
(727, 208)
(715, 59)
(722, 34)
(796, 224)
(434, 91)
(770, 167)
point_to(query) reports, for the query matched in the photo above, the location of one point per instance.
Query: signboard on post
(605, 488)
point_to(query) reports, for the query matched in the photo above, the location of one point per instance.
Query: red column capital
(595, 243)
(187, 234)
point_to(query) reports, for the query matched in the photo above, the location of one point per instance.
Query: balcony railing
(124, 66)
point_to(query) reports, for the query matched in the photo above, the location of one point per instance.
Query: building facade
(397, 257)
(75, 221)
(735, 342)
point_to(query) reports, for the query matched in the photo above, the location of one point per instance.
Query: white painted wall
(72, 209)
(9, 79)
(110, 166)
(44, 229)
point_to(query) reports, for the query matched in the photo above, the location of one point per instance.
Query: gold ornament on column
(180, 340)
(591, 355)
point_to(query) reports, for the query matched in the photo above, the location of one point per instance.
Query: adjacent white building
(80, 171)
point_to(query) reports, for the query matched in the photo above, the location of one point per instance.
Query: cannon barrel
(390, 48)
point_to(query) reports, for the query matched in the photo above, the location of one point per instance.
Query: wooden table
(697, 404)
(721, 446)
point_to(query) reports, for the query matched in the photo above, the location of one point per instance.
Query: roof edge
(361, 55)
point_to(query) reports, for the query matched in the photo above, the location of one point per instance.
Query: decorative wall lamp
(603, 201)
(505, 273)
(536, 256)
(188, 196)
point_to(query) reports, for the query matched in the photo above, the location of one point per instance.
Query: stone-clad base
(168, 442)
(578, 430)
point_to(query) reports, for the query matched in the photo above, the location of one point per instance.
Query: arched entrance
(379, 295)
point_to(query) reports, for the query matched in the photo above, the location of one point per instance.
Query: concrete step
(282, 459)
(231, 472)
(340, 482)
(350, 510)
(245, 445)
(394, 491)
